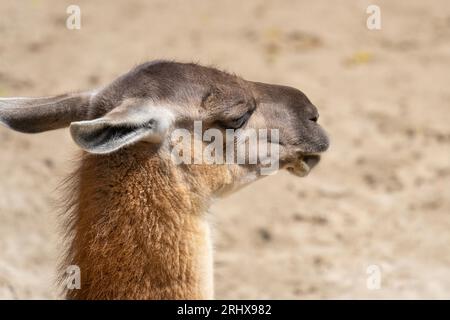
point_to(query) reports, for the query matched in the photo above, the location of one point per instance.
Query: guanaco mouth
(304, 164)
(311, 160)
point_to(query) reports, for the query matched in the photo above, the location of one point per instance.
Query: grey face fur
(156, 97)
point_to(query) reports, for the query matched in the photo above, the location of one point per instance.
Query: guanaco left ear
(121, 127)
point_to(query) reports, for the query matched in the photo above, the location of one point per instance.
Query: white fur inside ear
(121, 128)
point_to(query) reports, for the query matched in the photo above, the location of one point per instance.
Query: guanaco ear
(121, 127)
(33, 115)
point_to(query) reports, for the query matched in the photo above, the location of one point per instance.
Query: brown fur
(137, 226)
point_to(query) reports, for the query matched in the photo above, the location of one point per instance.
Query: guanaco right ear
(33, 115)
(122, 127)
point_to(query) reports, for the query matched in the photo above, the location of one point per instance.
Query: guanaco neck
(138, 230)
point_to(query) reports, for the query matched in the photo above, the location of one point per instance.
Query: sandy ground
(381, 196)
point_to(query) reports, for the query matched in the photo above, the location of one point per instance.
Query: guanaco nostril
(315, 118)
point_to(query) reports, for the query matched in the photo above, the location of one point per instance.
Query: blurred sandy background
(380, 197)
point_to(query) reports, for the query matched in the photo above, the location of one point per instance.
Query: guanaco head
(159, 102)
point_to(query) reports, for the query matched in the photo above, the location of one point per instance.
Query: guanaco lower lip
(311, 160)
(304, 164)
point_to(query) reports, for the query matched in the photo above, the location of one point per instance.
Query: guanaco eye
(236, 123)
